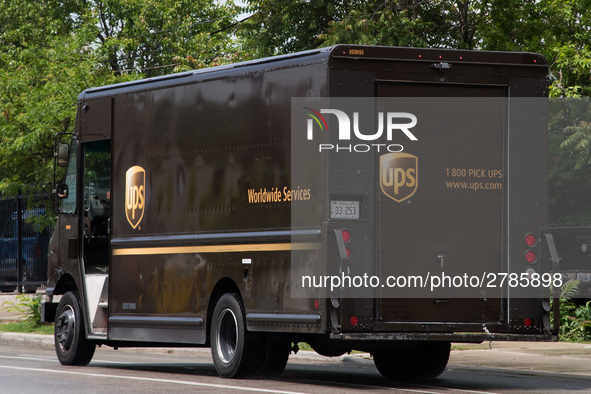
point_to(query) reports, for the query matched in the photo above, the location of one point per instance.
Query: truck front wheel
(426, 361)
(71, 345)
(236, 352)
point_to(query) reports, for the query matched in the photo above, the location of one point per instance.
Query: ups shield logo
(398, 175)
(135, 195)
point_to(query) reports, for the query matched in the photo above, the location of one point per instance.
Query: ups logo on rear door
(398, 175)
(135, 195)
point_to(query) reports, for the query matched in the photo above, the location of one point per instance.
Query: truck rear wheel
(277, 349)
(424, 362)
(71, 345)
(236, 352)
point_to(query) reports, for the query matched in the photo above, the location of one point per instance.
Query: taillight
(531, 240)
(37, 251)
(348, 253)
(346, 235)
(527, 322)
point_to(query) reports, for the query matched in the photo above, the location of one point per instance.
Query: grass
(305, 347)
(466, 347)
(26, 327)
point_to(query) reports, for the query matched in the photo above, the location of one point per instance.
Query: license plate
(344, 209)
(584, 277)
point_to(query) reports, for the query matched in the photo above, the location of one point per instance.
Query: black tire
(235, 351)
(424, 362)
(71, 345)
(276, 354)
(7, 289)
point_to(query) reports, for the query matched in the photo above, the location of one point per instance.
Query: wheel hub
(228, 335)
(65, 327)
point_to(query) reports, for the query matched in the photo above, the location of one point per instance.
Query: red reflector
(354, 321)
(531, 240)
(346, 235)
(37, 251)
(527, 322)
(530, 256)
(316, 304)
(348, 253)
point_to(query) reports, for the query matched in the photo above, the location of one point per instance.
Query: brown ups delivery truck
(252, 206)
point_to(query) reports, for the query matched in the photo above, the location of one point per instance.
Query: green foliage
(575, 319)
(38, 90)
(152, 37)
(29, 307)
(409, 23)
(568, 154)
(27, 327)
(284, 26)
(50, 51)
(570, 289)
(575, 322)
(558, 29)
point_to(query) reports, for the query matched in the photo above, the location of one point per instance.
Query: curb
(17, 337)
(511, 372)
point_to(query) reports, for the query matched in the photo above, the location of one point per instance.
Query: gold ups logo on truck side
(398, 175)
(135, 195)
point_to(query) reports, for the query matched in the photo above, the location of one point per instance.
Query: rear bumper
(449, 337)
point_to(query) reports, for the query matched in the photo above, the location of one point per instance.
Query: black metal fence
(23, 244)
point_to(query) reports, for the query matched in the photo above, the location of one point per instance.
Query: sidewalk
(520, 357)
(530, 357)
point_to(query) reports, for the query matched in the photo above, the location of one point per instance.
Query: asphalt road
(33, 368)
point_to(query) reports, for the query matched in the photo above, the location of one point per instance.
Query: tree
(153, 37)
(569, 182)
(558, 29)
(285, 26)
(50, 51)
(38, 90)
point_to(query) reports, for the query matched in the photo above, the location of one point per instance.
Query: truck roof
(418, 55)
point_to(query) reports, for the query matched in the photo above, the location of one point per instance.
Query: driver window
(97, 201)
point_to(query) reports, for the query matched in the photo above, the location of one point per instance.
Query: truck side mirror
(62, 190)
(62, 155)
